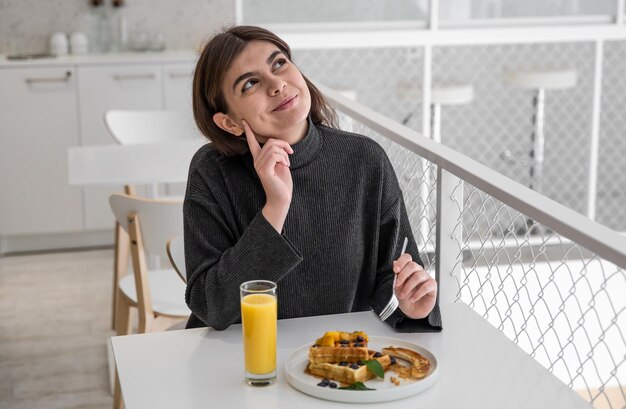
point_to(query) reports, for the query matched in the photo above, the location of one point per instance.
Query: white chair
(158, 295)
(176, 253)
(129, 127)
(150, 223)
(142, 127)
(133, 127)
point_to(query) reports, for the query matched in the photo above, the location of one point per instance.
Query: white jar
(58, 44)
(79, 43)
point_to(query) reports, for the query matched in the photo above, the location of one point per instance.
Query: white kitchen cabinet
(49, 105)
(38, 123)
(177, 94)
(101, 88)
(177, 82)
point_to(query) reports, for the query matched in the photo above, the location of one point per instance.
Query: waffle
(420, 366)
(337, 346)
(347, 373)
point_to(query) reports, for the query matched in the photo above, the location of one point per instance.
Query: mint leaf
(357, 386)
(376, 368)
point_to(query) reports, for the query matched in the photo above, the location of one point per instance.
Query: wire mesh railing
(551, 280)
(557, 300)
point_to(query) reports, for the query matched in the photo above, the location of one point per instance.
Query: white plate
(298, 360)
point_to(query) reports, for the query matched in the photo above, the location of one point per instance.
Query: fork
(393, 302)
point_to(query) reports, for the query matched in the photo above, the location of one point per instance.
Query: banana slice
(420, 366)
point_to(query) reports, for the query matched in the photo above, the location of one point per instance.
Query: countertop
(103, 59)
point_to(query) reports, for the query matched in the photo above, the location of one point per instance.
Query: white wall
(25, 25)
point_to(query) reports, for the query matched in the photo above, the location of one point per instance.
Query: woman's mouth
(286, 103)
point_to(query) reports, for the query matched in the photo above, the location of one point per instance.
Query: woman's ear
(226, 123)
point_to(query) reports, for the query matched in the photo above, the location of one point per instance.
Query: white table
(203, 368)
(131, 164)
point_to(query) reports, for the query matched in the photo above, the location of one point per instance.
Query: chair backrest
(176, 253)
(160, 220)
(135, 127)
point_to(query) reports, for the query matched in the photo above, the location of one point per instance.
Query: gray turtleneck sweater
(344, 228)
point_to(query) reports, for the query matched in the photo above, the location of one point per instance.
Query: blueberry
(333, 385)
(377, 355)
(324, 383)
(343, 363)
(360, 363)
(358, 345)
(360, 339)
(393, 360)
(354, 366)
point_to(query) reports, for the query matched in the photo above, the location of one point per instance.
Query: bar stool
(442, 94)
(446, 95)
(540, 81)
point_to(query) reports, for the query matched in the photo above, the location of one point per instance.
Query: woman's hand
(415, 289)
(272, 165)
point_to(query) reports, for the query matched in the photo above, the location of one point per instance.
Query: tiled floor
(55, 317)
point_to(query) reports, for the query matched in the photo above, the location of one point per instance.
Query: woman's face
(263, 87)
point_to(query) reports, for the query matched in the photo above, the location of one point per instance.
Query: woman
(281, 195)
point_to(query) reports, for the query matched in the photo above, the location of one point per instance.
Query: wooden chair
(158, 295)
(176, 253)
(129, 127)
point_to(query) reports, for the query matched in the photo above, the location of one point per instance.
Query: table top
(478, 367)
(131, 164)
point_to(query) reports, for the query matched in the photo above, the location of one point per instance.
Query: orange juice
(258, 318)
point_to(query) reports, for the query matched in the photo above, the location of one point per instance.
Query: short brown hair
(208, 99)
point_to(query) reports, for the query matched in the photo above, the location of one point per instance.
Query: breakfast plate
(384, 390)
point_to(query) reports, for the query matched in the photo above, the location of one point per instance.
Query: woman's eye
(279, 63)
(247, 85)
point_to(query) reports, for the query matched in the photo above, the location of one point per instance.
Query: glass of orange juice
(258, 321)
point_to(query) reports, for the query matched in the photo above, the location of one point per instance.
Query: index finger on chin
(253, 144)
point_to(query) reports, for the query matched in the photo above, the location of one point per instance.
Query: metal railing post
(449, 255)
(594, 140)
(238, 12)
(427, 66)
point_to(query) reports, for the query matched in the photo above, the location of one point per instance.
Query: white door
(38, 123)
(136, 86)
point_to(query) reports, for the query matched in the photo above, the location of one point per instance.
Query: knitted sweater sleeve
(218, 260)
(394, 227)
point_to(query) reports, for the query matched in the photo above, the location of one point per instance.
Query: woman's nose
(276, 86)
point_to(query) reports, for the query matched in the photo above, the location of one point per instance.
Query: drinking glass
(258, 322)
